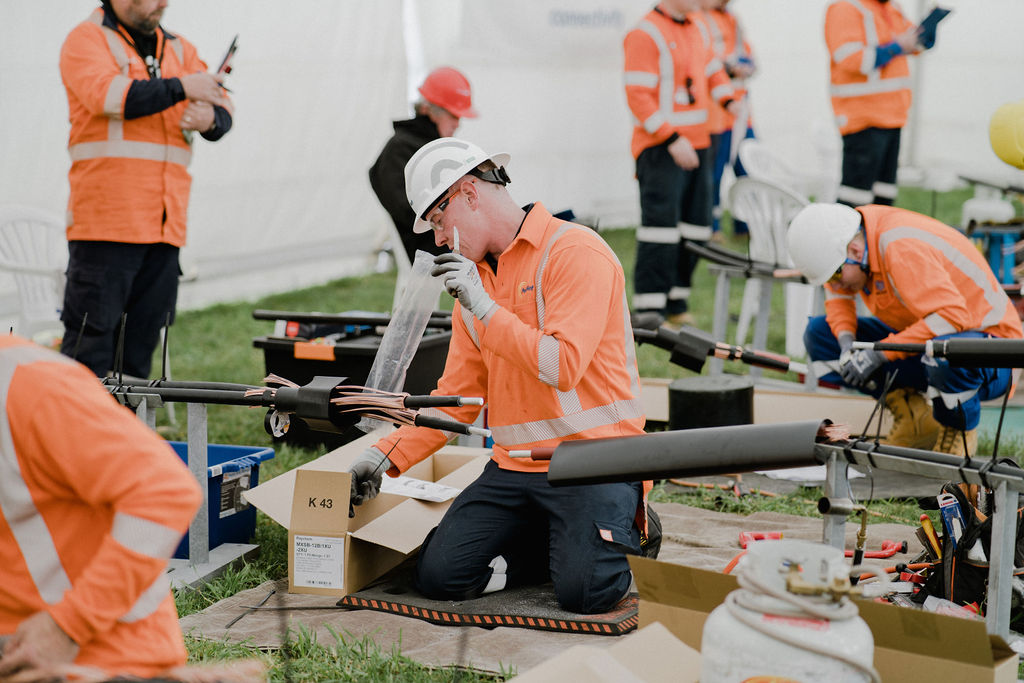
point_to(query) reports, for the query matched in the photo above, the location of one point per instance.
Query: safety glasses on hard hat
(838, 275)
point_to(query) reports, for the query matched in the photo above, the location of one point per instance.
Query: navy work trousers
(675, 205)
(870, 161)
(106, 279)
(576, 536)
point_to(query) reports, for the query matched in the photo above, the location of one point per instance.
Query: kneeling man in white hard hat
(541, 329)
(922, 280)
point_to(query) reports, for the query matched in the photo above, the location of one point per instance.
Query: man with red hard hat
(446, 98)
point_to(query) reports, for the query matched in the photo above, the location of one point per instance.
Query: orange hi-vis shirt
(672, 80)
(92, 505)
(126, 175)
(728, 46)
(864, 96)
(927, 279)
(556, 362)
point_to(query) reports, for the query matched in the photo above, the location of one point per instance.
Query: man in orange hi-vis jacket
(921, 280)
(541, 330)
(92, 505)
(868, 43)
(137, 96)
(672, 79)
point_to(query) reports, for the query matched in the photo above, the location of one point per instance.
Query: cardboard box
(909, 644)
(650, 655)
(383, 533)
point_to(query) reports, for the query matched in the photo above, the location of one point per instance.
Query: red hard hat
(447, 88)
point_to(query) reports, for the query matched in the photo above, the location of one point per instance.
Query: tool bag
(962, 574)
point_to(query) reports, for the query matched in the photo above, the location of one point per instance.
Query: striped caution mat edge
(613, 627)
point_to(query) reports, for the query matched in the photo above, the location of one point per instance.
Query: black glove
(861, 365)
(367, 471)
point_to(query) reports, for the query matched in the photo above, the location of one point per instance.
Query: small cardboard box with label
(910, 645)
(332, 554)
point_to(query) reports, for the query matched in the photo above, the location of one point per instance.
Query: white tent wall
(547, 81)
(284, 199)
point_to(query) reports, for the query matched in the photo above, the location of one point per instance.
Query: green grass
(215, 344)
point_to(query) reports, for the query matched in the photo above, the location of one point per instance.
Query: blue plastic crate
(230, 471)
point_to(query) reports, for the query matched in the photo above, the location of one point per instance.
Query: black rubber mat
(532, 607)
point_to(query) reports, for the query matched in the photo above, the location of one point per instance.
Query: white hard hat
(818, 237)
(438, 165)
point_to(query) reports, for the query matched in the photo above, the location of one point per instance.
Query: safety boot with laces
(951, 440)
(912, 423)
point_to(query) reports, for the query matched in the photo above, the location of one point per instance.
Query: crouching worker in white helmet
(540, 329)
(922, 280)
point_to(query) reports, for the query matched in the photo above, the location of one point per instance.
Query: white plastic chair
(33, 249)
(767, 208)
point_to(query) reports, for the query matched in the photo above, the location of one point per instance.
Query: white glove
(462, 281)
(367, 471)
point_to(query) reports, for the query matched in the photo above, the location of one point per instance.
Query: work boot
(912, 423)
(650, 545)
(677, 320)
(951, 440)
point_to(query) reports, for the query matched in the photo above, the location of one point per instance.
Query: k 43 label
(326, 503)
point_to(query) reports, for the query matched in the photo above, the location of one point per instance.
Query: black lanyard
(152, 65)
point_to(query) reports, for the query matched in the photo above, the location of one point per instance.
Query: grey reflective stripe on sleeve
(176, 47)
(467, 320)
(145, 536)
(717, 39)
(867, 63)
(149, 601)
(713, 67)
(654, 122)
(722, 91)
(703, 30)
(845, 50)
(115, 95)
(871, 87)
(939, 325)
(630, 345)
(666, 72)
(119, 86)
(641, 78)
(556, 428)
(19, 509)
(657, 234)
(994, 295)
(547, 360)
(130, 149)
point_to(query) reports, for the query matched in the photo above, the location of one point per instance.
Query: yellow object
(1006, 133)
(929, 531)
(912, 423)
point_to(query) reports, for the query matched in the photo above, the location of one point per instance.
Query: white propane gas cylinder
(764, 630)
